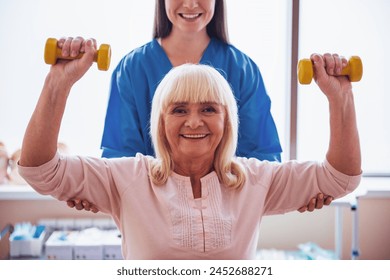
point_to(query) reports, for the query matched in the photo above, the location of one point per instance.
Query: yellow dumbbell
(354, 70)
(102, 55)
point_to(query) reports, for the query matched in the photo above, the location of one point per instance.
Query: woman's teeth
(190, 16)
(194, 136)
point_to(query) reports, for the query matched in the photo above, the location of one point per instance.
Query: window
(259, 28)
(348, 27)
(262, 29)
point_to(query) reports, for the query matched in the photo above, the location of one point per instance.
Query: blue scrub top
(136, 77)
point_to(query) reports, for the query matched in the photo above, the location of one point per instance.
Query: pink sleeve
(65, 177)
(292, 184)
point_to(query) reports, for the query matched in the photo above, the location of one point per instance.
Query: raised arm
(344, 145)
(40, 139)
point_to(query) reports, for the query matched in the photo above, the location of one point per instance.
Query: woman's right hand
(69, 71)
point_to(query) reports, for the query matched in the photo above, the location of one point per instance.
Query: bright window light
(348, 27)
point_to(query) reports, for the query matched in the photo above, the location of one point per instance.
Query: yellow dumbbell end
(50, 51)
(305, 71)
(356, 69)
(104, 57)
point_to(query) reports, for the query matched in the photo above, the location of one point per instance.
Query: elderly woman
(195, 199)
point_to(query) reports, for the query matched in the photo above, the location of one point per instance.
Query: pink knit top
(166, 222)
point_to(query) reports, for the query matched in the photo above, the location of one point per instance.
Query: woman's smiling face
(194, 130)
(190, 15)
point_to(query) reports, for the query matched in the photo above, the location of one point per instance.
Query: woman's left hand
(327, 74)
(316, 203)
(81, 204)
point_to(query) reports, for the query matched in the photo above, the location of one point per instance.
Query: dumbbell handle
(53, 53)
(354, 70)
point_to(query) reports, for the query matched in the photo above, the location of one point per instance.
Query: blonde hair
(195, 83)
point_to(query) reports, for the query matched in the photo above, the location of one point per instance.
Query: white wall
(24, 27)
